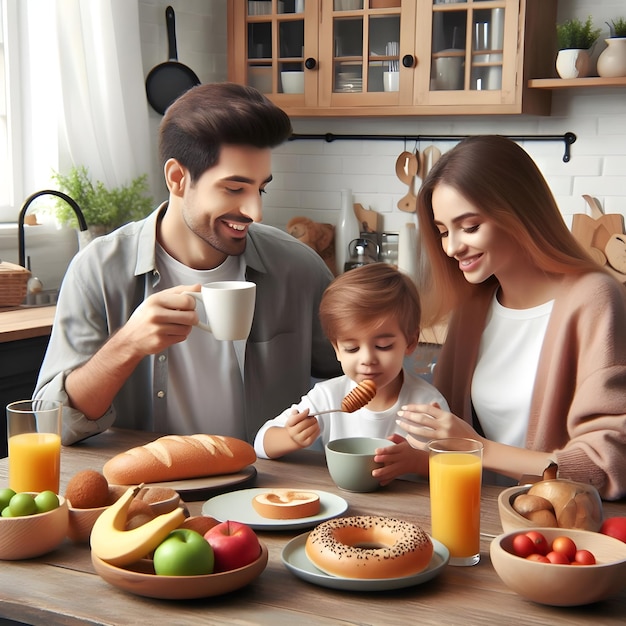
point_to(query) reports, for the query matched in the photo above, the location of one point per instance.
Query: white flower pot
(573, 63)
(612, 60)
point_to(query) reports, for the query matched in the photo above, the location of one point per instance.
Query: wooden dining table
(62, 587)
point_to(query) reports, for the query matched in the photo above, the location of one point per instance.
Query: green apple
(46, 501)
(6, 512)
(22, 504)
(5, 497)
(184, 552)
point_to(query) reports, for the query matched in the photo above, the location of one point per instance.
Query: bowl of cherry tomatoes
(560, 567)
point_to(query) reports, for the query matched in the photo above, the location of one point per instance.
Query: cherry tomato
(523, 545)
(565, 546)
(557, 558)
(540, 558)
(541, 545)
(584, 557)
(615, 527)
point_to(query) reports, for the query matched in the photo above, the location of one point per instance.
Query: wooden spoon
(407, 166)
(431, 155)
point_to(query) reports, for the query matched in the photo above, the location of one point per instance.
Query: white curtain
(84, 90)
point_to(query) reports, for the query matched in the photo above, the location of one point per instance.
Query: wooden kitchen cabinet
(341, 57)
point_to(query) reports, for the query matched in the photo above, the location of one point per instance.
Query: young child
(371, 315)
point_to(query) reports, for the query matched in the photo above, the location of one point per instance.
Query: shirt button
(160, 394)
(162, 358)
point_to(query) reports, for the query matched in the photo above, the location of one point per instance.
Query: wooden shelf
(569, 83)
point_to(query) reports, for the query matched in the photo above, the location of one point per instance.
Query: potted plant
(574, 38)
(104, 209)
(612, 60)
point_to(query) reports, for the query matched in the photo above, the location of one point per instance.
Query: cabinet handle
(310, 63)
(408, 60)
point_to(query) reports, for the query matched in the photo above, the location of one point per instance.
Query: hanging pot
(169, 80)
(573, 63)
(612, 60)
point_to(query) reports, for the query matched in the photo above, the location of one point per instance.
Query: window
(10, 156)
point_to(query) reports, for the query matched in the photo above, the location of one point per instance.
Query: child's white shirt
(328, 394)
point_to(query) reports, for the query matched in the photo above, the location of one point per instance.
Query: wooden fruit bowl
(141, 580)
(563, 585)
(33, 535)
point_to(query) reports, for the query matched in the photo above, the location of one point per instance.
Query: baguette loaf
(176, 457)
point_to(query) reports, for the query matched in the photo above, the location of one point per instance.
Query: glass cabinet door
(467, 45)
(364, 53)
(275, 45)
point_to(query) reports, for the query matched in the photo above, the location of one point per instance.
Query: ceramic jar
(612, 60)
(346, 230)
(573, 63)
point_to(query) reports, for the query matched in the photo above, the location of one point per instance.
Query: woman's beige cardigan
(578, 409)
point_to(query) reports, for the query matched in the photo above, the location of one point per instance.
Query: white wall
(308, 175)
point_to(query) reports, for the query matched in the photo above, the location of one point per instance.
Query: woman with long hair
(534, 362)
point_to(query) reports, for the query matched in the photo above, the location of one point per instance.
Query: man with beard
(124, 349)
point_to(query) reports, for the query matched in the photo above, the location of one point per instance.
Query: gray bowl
(351, 461)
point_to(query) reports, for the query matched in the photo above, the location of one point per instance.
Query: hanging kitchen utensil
(407, 165)
(430, 156)
(167, 81)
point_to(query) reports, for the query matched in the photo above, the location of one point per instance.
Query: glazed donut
(286, 504)
(369, 547)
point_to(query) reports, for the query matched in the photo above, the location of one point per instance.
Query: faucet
(82, 224)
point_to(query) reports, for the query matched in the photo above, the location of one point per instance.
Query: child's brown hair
(368, 295)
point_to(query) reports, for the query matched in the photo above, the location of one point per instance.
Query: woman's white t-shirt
(503, 381)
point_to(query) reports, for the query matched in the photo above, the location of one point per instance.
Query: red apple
(615, 527)
(234, 545)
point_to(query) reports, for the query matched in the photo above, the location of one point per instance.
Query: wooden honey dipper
(356, 399)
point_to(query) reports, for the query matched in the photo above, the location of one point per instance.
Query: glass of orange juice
(455, 475)
(34, 437)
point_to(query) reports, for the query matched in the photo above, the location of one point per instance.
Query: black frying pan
(171, 79)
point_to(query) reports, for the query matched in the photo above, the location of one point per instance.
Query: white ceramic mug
(228, 308)
(391, 81)
(292, 82)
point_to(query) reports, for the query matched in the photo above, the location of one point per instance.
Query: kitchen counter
(24, 323)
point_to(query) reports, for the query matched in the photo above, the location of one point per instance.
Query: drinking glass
(34, 437)
(455, 475)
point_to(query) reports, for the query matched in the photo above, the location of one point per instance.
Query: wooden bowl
(141, 579)
(161, 499)
(563, 585)
(511, 520)
(33, 535)
(81, 521)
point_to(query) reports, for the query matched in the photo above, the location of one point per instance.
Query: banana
(113, 544)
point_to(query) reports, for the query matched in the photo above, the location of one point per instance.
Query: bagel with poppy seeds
(369, 547)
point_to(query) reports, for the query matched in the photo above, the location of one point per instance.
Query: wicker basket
(13, 281)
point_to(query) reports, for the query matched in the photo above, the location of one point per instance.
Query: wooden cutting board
(594, 231)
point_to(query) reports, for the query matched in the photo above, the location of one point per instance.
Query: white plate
(295, 559)
(237, 506)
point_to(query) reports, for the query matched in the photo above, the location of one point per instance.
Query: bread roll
(526, 503)
(176, 457)
(576, 505)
